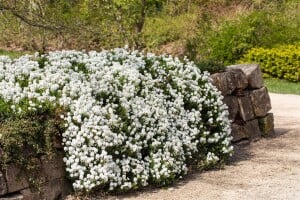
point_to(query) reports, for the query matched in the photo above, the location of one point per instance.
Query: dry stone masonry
(14, 184)
(248, 101)
(244, 93)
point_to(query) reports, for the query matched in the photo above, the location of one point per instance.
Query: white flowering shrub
(131, 119)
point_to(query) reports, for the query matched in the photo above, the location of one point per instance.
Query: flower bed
(130, 119)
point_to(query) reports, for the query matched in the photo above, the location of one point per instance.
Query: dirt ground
(266, 169)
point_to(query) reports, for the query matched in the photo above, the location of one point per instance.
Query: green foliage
(282, 62)
(230, 39)
(75, 24)
(211, 66)
(5, 110)
(25, 137)
(164, 29)
(221, 30)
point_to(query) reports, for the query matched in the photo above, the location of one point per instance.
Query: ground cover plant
(129, 119)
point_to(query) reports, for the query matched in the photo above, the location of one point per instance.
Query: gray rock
(266, 125)
(232, 103)
(224, 82)
(29, 194)
(252, 72)
(245, 107)
(3, 186)
(52, 190)
(260, 101)
(15, 179)
(238, 133)
(13, 197)
(239, 78)
(248, 131)
(53, 167)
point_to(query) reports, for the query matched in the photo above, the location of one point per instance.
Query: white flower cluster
(132, 119)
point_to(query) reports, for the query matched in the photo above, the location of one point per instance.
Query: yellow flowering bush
(280, 62)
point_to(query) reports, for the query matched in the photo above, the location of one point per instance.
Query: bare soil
(266, 169)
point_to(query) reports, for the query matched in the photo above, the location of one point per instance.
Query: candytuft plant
(130, 119)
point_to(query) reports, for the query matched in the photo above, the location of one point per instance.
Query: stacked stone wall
(52, 185)
(248, 101)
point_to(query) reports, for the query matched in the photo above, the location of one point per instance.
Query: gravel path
(266, 169)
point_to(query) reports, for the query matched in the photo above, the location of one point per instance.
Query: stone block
(29, 194)
(15, 180)
(232, 103)
(248, 131)
(245, 107)
(224, 82)
(238, 133)
(260, 101)
(266, 125)
(13, 197)
(53, 167)
(52, 190)
(57, 189)
(240, 79)
(3, 185)
(252, 72)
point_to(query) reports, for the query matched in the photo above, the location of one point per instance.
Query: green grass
(282, 86)
(12, 54)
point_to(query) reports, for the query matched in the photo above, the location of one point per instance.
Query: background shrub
(218, 30)
(227, 40)
(280, 62)
(211, 66)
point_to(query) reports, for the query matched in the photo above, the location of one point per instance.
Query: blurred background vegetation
(213, 33)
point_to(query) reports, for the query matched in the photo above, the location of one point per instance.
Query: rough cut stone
(238, 132)
(253, 129)
(245, 107)
(248, 131)
(240, 79)
(3, 186)
(232, 103)
(231, 82)
(13, 197)
(253, 74)
(260, 101)
(219, 80)
(53, 190)
(224, 82)
(266, 125)
(57, 189)
(15, 180)
(53, 168)
(28, 194)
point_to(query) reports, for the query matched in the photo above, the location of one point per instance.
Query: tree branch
(28, 21)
